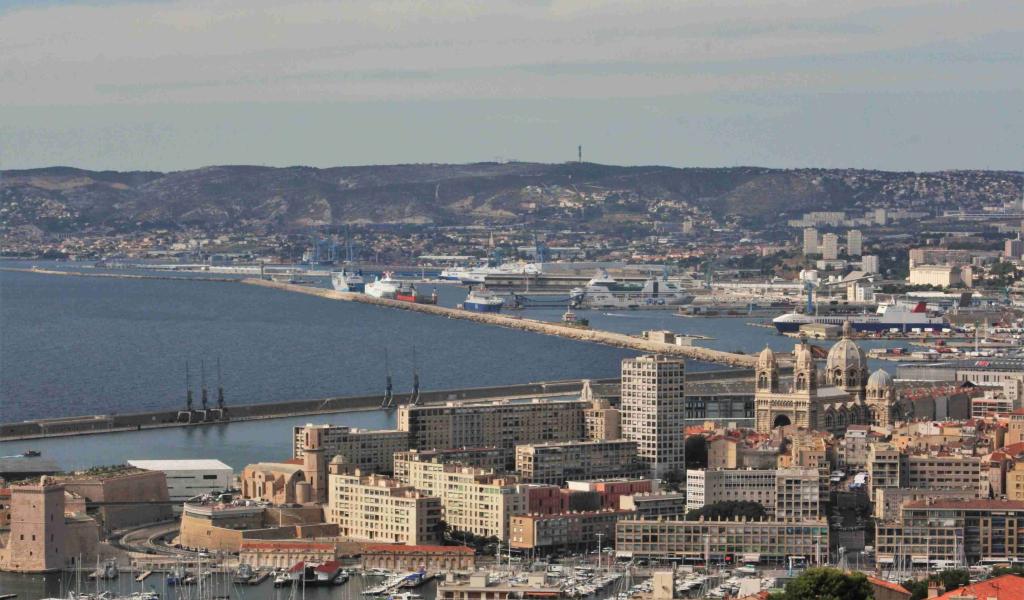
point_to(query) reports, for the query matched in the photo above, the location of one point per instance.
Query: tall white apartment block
(810, 241)
(869, 263)
(854, 242)
(653, 411)
(829, 246)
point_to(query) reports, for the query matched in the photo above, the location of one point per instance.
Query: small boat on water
(569, 318)
(244, 573)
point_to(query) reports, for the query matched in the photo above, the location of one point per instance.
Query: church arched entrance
(781, 421)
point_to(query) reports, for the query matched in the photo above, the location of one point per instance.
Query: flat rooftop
(182, 464)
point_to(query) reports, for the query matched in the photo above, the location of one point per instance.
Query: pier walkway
(609, 338)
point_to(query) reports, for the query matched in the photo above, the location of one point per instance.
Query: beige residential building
(655, 505)
(938, 534)
(504, 424)
(810, 245)
(380, 509)
(602, 421)
(758, 541)
(854, 242)
(557, 462)
(653, 411)
(1015, 482)
(947, 472)
(942, 276)
(492, 458)
(883, 467)
(889, 468)
(579, 530)
(829, 246)
(1015, 428)
(369, 449)
(791, 493)
(474, 500)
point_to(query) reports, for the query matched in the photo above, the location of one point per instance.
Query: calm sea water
(79, 345)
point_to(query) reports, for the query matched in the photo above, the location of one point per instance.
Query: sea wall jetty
(607, 338)
(69, 273)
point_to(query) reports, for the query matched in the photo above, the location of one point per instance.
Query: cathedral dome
(766, 360)
(802, 357)
(880, 379)
(846, 354)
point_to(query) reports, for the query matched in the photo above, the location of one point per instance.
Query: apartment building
(575, 530)
(810, 241)
(889, 468)
(888, 502)
(883, 466)
(609, 491)
(829, 246)
(653, 410)
(482, 586)
(602, 421)
(372, 450)
(492, 458)
(790, 493)
(379, 509)
(797, 494)
(854, 242)
(557, 462)
(943, 533)
(503, 424)
(655, 505)
(474, 500)
(770, 542)
(708, 486)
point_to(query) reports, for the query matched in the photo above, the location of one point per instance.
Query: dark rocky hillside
(294, 198)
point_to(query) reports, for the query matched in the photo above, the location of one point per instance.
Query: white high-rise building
(829, 246)
(653, 411)
(810, 241)
(854, 242)
(869, 263)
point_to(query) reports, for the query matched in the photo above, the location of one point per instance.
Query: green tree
(729, 509)
(827, 584)
(696, 452)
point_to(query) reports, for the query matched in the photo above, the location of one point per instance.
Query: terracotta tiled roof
(282, 545)
(1004, 587)
(895, 587)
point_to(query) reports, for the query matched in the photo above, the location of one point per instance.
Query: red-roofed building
(1004, 587)
(394, 557)
(886, 590)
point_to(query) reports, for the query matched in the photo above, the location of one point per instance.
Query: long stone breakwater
(608, 338)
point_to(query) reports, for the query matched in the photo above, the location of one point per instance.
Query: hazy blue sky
(908, 84)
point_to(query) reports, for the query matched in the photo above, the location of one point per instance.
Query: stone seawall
(91, 424)
(608, 338)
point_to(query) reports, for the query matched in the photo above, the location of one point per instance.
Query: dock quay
(94, 424)
(701, 382)
(607, 338)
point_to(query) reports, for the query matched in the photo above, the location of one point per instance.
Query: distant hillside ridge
(283, 199)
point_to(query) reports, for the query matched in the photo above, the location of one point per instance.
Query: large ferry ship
(483, 301)
(887, 317)
(382, 287)
(346, 281)
(474, 275)
(603, 291)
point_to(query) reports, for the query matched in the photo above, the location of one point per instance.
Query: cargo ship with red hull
(409, 293)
